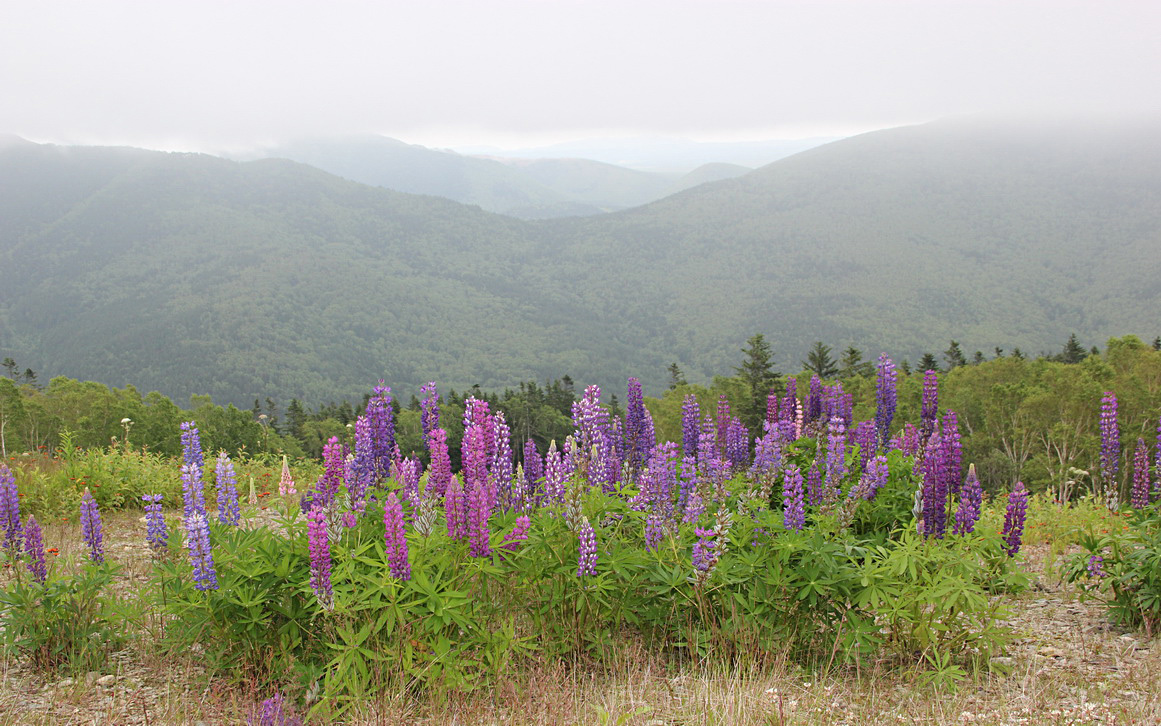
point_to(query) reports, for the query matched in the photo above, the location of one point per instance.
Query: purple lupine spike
(934, 489)
(429, 409)
(477, 489)
(201, 554)
(866, 438)
(274, 712)
(318, 544)
(691, 427)
(156, 534)
(1014, 518)
(814, 400)
(836, 451)
(694, 508)
(1110, 448)
(971, 498)
(91, 527)
(885, 396)
(1140, 497)
(952, 453)
(441, 474)
(788, 409)
(500, 467)
(654, 531)
(554, 475)
(663, 479)
(1157, 465)
(456, 510)
(737, 444)
(594, 442)
(1096, 567)
(767, 457)
(721, 425)
(193, 495)
(532, 472)
(364, 470)
(34, 551)
(772, 413)
(814, 493)
(396, 538)
(479, 510)
(191, 445)
(704, 555)
(334, 465)
(227, 481)
(586, 549)
(410, 472)
(907, 440)
(929, 409)
(518, 534)
(381, 416)
(793, 504)
(687, 483)
(874, 478)
(10, 526)
(638, 426)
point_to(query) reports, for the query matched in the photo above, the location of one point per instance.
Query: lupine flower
(479, 509)
(193, 496)
(767, 459)
(704, 551)
(929, 410)
(228, 512)
(10, 526)
(885, 399)
(456, 510)
(1140, 498)
(191, 445)
(722, 425)
(1014, 518)
(594, 440)
(737, 444)
(396, 536)
(586, 549)
(91, 527)
(654, 531)
(554, 475)
(971, 498)
(381, 417)
(814, 493)
(518, 534)
(660, 480)
(694, 508)
(441, 474)
(286, 482)
(274, 712)
(793, 506)
(156, 533)
(533, 469)
(34, 550)
(1096, 567)
(334, 465)
(500, 465)
(788, 411)
(934, 489)
(952, 453)
(687, 483)
(429, 409)
(319, 547)
(1157, 467)
(707, 455)
(908, 440)
(638, 428)
(201, 555)
(1110, 444)
(410, 472)
(690, 425)
(866, 438)
(836, 451)
(363, 470)
(874, 477)
(771, 409)
(814, 400)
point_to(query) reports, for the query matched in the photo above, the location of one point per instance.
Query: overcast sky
(215, 75)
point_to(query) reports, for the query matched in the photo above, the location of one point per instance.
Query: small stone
(107, 680)
(91, 677)
(1050, 652)
(64, 683)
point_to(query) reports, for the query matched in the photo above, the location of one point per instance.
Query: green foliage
(1129, 571)
(69, 623)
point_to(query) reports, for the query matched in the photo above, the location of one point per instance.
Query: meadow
(828, 571)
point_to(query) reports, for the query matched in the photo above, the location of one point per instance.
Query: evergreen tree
(1073, 351)
(1017, 354)
(905, 367)
(1157, 343)
(953, 356)
(758, 374)
(10, 368)
(819, 361)
(852, 364)
(998, 351)
(978, 358)
(928, 363)
(676, 377)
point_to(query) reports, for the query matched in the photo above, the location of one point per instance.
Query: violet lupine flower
(477, 490)
(34, 551)
(737, 444)
(793, 504)
(654, 531)
(327, 486)
(908, 440)
(874, 478)
(885, 399)
(1140, 497)
(273, 712)
(191, 445)
(721, 425)
(396, 538)
(690, 425)
(410, 472)
(193, 496)
(228, 512)
(814, 400)
(381, 416)
(500, 467)
(788, 409)
(952, 453)
(10, 525)
(814, 493)
(1096, 567)
(156, 534)
(707, 455)
(286, 482)
(704, 555)
(663, 479)
(771, 409)
(1014, 518)
(319, 548)
(767, 457)
(201, 554)
(687, 483)
(971, 498)
(554, 475)
(865, 437)
(456, 510)
(929, 407)
(429, 409)
(91, 527)
(934, 489)
(1157, 467)
(836, 451)
(637, 428)
(364, 469)
(586, 549)
(441, 474)
(1110, 446)
(593, 437)
(694, 508)
(518, 534)
(533, 466)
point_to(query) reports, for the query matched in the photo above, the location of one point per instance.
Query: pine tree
(928, 363)
(819, 361)
(953, 356)
(676, 377)
(852, 364)
(1073, 351)
(757, 372)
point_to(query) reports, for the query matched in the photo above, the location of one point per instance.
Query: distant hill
(188, 273)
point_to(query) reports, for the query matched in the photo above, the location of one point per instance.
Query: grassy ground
(1067, 665)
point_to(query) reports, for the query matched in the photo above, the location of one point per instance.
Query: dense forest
(1025, 418)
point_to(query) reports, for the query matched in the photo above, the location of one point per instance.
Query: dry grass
(1067, 666)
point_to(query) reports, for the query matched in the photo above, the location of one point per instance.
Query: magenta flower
(396, 536)
(586, 549)
(34, 550)
(518, 534)
(91, 527)
(1014, 518)
(319, 549)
